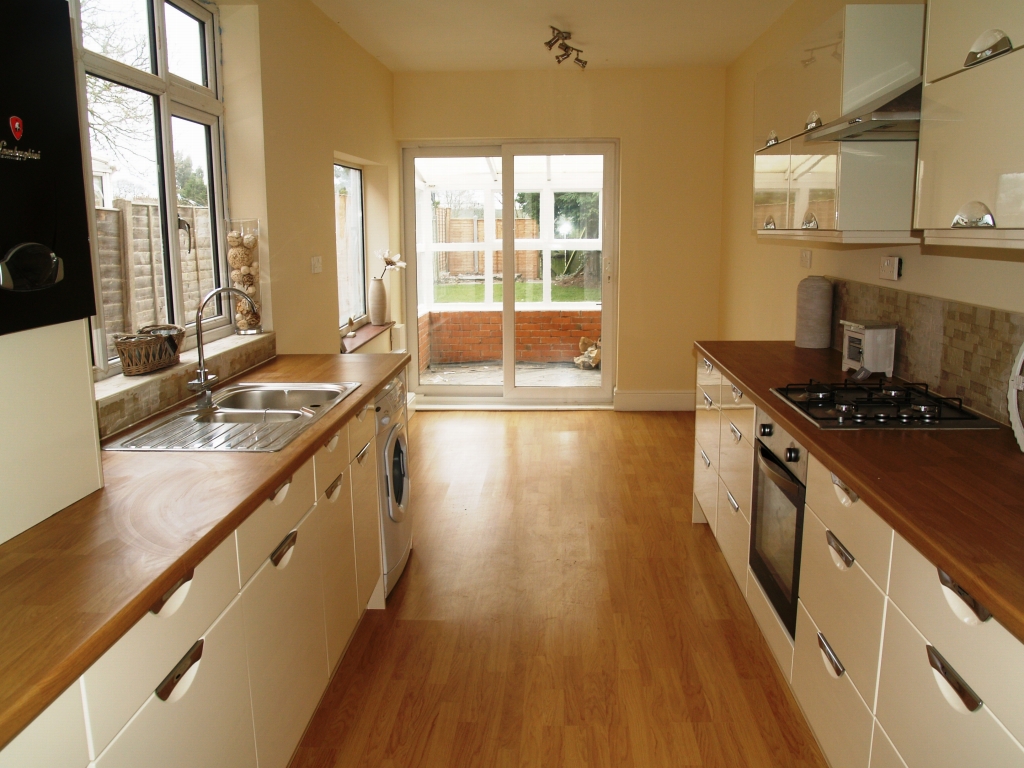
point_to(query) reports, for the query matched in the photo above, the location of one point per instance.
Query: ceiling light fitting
(558, 37)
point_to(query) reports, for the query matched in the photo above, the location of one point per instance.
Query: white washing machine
(393, 472)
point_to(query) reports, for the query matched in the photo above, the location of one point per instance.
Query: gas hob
(885, 404)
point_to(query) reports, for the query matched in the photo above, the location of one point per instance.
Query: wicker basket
(152, 348)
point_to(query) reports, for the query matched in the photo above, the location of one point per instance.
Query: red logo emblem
(17, 128)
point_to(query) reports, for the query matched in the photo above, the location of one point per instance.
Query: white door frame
(508, 395)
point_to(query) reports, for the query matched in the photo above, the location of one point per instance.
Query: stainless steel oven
(777, 516)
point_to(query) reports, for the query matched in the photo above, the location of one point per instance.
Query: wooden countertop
(955, 495)
(72, 585)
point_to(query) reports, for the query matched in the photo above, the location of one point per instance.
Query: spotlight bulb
(581, 62)
(563, 56)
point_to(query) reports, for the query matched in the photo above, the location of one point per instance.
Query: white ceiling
(452, 35)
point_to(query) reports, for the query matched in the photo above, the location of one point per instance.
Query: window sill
(364, 335)
(122, 401)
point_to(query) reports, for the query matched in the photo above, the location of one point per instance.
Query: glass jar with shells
(244, 264)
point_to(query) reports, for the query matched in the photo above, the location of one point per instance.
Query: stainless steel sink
(245, 417)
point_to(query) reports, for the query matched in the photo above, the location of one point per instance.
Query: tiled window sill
(122, 401)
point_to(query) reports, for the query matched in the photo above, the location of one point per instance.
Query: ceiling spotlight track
(558, 37)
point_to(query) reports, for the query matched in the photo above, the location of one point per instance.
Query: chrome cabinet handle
(973, 215)
(733, 502)
(837, 666)
(772, 140)
(736, 434)
(970, 699)
(159, 604)
(195, 653)
(366, 409)
(979, 610)
(851, 497)
(278, 496)
(334, 488)
(331, 444)
(813, 121)
(810, 221)
(992, 43)
(837, 546)
(282, 549)
(707, 461)
(361, 456)
(708, 402)
(737, 394)
(708, 366)
(769, 223)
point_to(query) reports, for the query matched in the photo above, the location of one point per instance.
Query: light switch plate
(891, 268)
(805, 258)
(316, 264)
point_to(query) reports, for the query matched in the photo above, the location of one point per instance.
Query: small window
(186, 45)
(348, 228)
(122, 31)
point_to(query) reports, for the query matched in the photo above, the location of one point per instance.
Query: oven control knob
(767, 430)
(793, 455)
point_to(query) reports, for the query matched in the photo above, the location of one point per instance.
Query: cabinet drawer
(955, 26)
(709, 377)
(331, 460)
(707, 423)
(830, 701)
(925, 719)
(125, 676)
(863, 532)
(883, 753)
(206, 722)
(733, 532)
(265, 527)
(285, 644)
(55, 739)
(971, 148)
(361, 429)
(338, 561)
(705, 484)
(736, 464)
(981, 651)
(366, 522)
(845, 604)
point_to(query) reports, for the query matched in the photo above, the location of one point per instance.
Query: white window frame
(363, 319)
(175, 97)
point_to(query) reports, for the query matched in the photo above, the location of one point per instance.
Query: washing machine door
(397, 467)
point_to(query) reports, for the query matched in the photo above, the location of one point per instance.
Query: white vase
(378, 301)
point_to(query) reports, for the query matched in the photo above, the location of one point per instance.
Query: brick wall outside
(424, 341)
(542, 336)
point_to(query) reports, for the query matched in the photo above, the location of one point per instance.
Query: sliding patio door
(544, 211)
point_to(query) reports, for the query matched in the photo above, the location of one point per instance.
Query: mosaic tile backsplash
(960, 350)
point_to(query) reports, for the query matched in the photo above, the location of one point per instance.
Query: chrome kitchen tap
(204, 380)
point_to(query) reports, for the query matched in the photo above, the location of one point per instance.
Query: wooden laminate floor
(559, 608)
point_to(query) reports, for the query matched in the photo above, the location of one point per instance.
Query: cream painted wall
(758, 281)
(322, 94)
(669, 123)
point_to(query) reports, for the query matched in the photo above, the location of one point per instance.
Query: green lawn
(525, 292)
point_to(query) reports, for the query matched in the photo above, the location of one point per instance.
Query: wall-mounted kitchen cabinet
(856, 56)
(844, 192)
(963, 35)
(970, 181)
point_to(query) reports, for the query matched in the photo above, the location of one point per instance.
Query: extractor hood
(895, 116)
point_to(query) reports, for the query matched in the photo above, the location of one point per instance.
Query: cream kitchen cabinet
(55, 739)
(331, 460)
(285, 641)
(205, 719)
(733, 533)
(847, 191)
(124, 677)
(883, 753)
(366, 527)
(705, 489)
(338, 564)
(707, 422)
(852, 59)
(962, 35)
(970, 181)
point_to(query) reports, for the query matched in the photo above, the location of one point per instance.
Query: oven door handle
(791, 488)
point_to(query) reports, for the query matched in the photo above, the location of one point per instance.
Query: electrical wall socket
(891, 268)
(805, 258)
(316, 264)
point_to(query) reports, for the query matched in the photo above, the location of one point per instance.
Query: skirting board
(668, 400)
